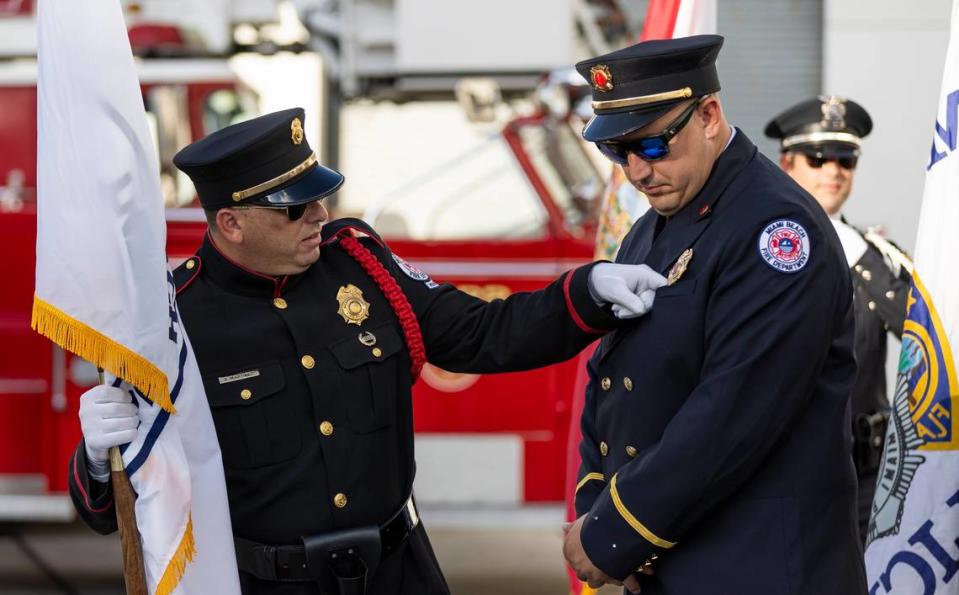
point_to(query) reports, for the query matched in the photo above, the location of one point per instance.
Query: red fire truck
(507, 433)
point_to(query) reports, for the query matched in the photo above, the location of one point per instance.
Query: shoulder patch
(784, 245)
(184, 274)
(414, 273)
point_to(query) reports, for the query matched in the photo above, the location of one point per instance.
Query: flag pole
(134, 576)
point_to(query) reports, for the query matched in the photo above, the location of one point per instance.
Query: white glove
(630, 288)
(108, 418)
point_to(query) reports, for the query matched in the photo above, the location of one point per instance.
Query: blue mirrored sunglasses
(649, 148)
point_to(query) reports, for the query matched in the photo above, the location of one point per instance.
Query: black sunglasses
(846, 162)
(649, 148)
(293, 212)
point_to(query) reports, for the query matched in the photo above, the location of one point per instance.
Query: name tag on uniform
(240, 376)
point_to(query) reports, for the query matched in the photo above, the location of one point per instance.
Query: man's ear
(229, 225)
(711, 112)
(786, 161)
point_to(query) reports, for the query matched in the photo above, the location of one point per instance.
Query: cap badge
(833, 113)
(680, 266)
(296, 131)
(601, 78)
(353, 308)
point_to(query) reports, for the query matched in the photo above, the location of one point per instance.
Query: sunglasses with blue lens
(649, 148)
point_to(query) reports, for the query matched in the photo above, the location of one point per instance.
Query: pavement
(479, 557)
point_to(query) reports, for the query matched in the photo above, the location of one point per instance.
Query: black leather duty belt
(290, 563)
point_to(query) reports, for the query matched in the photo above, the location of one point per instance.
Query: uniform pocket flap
(367, 347)
(245, 386)
(680, 287)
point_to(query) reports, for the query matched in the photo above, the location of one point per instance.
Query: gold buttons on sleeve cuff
(872, 306)
(280, 303)
(866, 275)
(890, 295)
(631, 451)
(339, 500)
(603, 448)
(628, 383)
(606, 383)
(308, 362)
(245, 394)
(190, 264)
(377, 352)
(326, 428)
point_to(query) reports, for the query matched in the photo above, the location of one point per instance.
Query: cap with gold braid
(635, 85)
(265, 161)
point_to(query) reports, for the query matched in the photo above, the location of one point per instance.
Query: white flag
(912, 544)
(104, 292)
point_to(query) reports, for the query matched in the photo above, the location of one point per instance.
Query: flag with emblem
(622, 205)
(914, 527)
(104, 292)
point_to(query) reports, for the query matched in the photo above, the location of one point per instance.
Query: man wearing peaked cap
(820, 144)
(309, 339)
(715, 456)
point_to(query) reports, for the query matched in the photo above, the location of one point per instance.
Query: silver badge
(833, 112)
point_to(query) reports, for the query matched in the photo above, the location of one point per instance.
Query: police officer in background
(820, 143)
(715, 431)
(309, 339)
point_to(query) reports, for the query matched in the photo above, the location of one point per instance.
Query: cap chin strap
(820, 137)
(280, 179)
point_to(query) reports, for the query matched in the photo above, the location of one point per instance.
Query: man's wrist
(98, 470)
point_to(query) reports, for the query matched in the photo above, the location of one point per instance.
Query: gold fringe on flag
(102, 351)
(184, 555)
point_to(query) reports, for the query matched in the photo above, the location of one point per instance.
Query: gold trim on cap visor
(683, 93)
(820, 137)
(280, 179)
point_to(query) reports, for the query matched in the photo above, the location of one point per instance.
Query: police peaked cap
(636, 85)
(265, 161)
(826, 123)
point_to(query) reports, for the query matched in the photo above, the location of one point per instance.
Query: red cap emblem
(601, 77)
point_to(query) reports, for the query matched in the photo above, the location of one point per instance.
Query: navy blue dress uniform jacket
(323, 440)
(716, 428)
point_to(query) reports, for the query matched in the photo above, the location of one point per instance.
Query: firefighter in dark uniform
(716, 428)
(308, 364)
(820, 143)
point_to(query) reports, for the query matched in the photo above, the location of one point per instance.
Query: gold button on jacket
(280, 303)
(603, 448)
(340, 500)
(326, 428)
(628, 383)
(308, 362)
(606, 383)
(245, 394)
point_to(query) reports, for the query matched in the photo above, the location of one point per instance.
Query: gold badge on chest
(680, 266)
(353, 308)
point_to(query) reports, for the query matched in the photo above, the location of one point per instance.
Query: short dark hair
(210, 217)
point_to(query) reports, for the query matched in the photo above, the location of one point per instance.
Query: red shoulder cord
(391, 289)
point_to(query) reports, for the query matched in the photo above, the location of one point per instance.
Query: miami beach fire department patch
(784, 245)
(414, 273)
